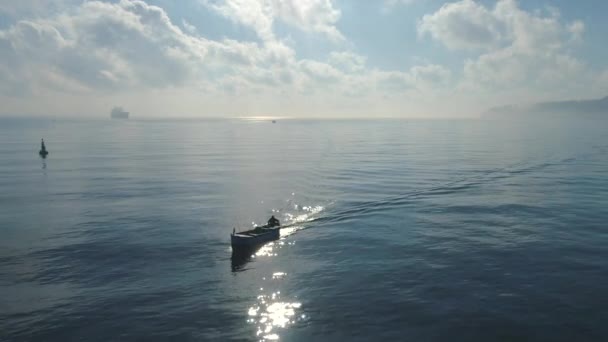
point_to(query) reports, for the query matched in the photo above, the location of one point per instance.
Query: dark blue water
(463, 230)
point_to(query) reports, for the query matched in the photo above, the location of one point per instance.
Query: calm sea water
(464, 230)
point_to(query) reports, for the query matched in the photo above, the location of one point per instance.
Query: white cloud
(128, 49)
(467, 24)
(320, 72)
(464, 25)
(128, 44)
(318, 16)
(520, 50)
(311, 15)
(253, 13)
(107, 50)
(393, 81)
(347, 61)
(521, 56)
(431, 74)
(576, 28)
(530, 32)
(191, 29)
(427, 78)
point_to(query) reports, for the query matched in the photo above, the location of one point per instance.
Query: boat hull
(251, 238)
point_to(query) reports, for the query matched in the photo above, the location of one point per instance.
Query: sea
(396, 230)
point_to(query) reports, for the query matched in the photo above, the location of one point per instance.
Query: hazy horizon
(305, 59)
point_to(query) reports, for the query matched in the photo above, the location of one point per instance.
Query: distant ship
(119, 113)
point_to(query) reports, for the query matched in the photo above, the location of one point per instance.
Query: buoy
(43, 152)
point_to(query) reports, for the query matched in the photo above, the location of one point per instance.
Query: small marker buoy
(43, 152)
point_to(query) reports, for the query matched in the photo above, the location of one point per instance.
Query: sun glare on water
(260, 118)
(272, 311)
(270, 314)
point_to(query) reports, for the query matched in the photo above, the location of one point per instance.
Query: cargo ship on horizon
(119, 113)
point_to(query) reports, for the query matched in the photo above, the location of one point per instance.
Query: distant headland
(570, 108)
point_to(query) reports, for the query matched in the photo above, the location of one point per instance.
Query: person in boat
(273, 222)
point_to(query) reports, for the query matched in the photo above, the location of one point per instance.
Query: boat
(119, 113)
(255, 237)
(43, 152)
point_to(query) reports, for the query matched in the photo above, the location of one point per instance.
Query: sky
(297, 58)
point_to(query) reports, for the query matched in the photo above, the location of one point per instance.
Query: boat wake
(478, 178)
(295, 221)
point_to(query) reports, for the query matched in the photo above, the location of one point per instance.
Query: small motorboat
(43, 152)
(255, 237)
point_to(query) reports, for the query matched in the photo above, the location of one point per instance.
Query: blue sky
(297, 58)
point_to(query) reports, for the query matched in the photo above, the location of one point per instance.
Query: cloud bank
(83, 56)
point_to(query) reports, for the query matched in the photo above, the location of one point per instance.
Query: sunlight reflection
(261, 118)
(289, 230)
(266, 250)
(278, 275)
(270, 314)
